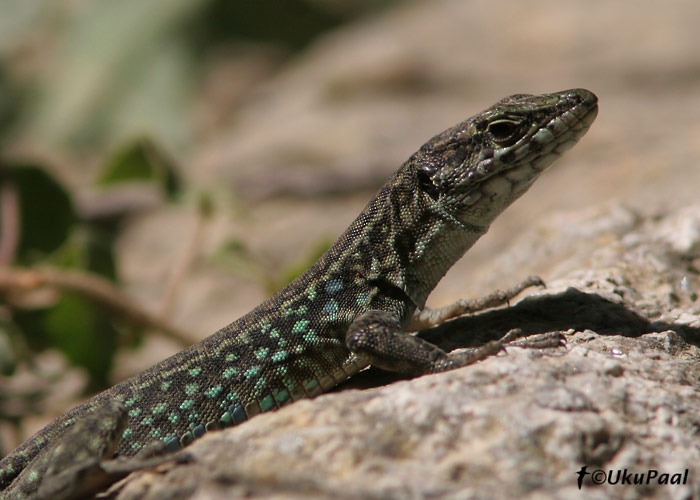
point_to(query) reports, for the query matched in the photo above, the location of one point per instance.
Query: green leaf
(89, 248)
(45, 214)
(76, 327)
(83, 333)
(7, 352)
(141, 161)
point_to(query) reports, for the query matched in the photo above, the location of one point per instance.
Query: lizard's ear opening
(426, 183)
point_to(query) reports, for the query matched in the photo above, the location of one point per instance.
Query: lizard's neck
(401, 240)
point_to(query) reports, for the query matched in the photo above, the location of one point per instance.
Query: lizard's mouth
(575, 111)
(506, 173)
(538, 150)
(563, 131)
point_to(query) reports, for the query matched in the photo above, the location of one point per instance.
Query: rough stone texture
(623, 393)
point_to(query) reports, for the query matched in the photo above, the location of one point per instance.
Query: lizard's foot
(536, 341)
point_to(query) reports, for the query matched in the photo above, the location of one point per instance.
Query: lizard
(353, 308)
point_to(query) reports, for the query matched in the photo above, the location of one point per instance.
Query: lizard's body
(352, 307)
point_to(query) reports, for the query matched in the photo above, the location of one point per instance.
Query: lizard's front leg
(377, 336)
(426, 317)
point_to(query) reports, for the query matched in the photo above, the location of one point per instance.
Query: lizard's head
(474, 170)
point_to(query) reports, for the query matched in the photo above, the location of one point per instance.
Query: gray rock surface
(622, 394)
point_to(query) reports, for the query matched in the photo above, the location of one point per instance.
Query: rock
(623, 394)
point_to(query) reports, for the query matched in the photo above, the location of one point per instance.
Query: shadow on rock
(571, 309)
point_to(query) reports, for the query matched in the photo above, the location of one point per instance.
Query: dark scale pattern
(352, 307)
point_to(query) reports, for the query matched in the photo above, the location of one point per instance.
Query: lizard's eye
(503, 130)
(426, 183)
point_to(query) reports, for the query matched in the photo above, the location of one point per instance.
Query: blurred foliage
(78, 78)
(50, 231)
(41, 218)
(7, 358)
(291, 272)
(11, 99)
(293, 23)
(46, 209)
(141, 161)
(235, 255)
(92, 74)
(76, 327)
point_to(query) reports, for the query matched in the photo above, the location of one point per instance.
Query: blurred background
(165, 166)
